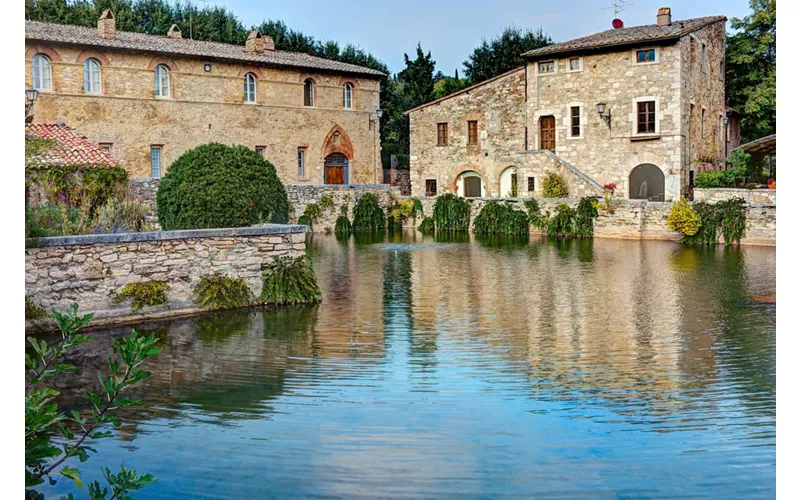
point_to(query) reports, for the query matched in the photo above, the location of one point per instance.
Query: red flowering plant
(608, 195)
(611, 186)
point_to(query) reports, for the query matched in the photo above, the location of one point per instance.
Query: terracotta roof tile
(626, 36)
(125, 40)
(70, 148)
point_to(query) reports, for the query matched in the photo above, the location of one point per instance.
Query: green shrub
(562, 224)
(50, 220)
(290, 281)
(343, 225)
(451, 213)
(706, 180)
(553, 186)
(368, 215)
(683, 219)
(310, 215)
(585, 215)
(217, 291)
(500, 218)
(121, 216)
(215, 185)
(143, 294)
(728, 217)
(32, 311)
(427, 226)
(535, 216)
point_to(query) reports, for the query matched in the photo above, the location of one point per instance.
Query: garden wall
(144, 189)
(633, 219)
(764, 196)
(87, 269)
(302, 195)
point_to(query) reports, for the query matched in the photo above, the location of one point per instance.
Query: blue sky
(450, 29)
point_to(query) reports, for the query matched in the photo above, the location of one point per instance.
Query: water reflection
(451, 365)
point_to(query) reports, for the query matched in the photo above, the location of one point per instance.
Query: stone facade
(144, 189)
(301, 196)
(532, 121)
(87, 269)
(206, 104)
(763, 196)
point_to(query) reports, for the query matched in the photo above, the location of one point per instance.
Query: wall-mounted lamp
(378, 115)
(601, 110)
(30, 98)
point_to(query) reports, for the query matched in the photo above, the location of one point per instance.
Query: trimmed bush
(215, 185)
(500, 218)
(217, 291)
(368, 216)
(683, 219)
(553, 186)
(290, 281)
(451, 213)
(143, 294)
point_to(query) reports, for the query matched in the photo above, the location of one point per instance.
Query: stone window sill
(645, 137)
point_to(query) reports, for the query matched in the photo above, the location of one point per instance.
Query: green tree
(750, 69)
(417, 78)
(503, 53)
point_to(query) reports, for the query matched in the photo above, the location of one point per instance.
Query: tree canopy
(750, 70)
(503, 53)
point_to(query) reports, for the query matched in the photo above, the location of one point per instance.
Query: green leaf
(72, 474)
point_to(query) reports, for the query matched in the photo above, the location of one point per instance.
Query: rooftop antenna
(618, 6)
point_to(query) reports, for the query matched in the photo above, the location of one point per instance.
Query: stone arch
(646, 182)
(337, 141)
(166, 61)
(505, 182)
(314, 77)
(43, 49)
(452, 185)
(347, 79)
(251, 69)
(92, 54)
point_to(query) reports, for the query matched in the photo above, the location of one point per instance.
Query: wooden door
(547, 133)
(334, 174)
(472, 187)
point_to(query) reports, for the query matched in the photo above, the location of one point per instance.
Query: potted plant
(608, 195)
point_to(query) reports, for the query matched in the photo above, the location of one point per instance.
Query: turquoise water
(469, 368)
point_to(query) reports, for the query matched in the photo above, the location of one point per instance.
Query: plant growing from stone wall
(368, 216)
(553, 186)
(500, 218)
(143, 294)
(32, 311)
(78, 185)
(683, 219)
(290, 281)
(52, 435)
(427, 226)
(217, 291)
(343, 226)
(585, 215)
(535, 216)
(728, 217)
(325, 202)
(310, 215)
(562, 223)
(451, 213)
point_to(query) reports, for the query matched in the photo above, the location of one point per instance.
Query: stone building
(149, 98)
(641, 107)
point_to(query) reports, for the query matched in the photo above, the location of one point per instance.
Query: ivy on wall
(217, 291)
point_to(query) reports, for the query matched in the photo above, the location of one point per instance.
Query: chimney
(664, 17)
(107, 25)
(174, 32)
(257, 43)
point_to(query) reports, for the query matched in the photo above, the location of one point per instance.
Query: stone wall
(632, 219)
(144, 189)
(764, 196)
(209, 107)
(302, 195)
(88, 269)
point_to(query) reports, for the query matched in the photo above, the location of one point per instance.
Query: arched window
(42, 74)
(250, 88)
(308, 92)
(91, 76)
(161, 81)
(347, 96)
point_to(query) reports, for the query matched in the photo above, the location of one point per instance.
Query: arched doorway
(470, 185)
(508, 183)
(337, 169)
(646, 183)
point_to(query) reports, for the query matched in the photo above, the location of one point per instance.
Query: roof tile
(70, 148)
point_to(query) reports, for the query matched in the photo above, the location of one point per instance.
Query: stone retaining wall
(87, 269)
(633, 219)
(301, 195)
(764, 196)
(144, 189)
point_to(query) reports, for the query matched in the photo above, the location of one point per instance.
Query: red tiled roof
(70, 148)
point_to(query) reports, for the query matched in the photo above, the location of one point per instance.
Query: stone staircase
(572, 168)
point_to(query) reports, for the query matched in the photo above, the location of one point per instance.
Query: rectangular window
(441, 134)
(722, 71)
(260, 150)
(691, 178)
(301, 163)
(155, 162)
(646, 117)
(472, 132)
(106, 146)
(575, 64)
(430, 187)
(531, 184)
(547, 66)
(702, 123)
(704, 58)
(645, 56)
(575, 121)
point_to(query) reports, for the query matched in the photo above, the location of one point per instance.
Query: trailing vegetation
(727, 217)
(214, 185)
(77, 185)
(325, 202)
(585, 215)
(217, 291)
(402, 210)
(501, 218)
(683, 219)
(451, 213)
(343, 226)
(32, 311)
(535, 216)
(562, 224)
(553, 186)
(52, 434)
(427, 226)
(143, 294)
(290, 281)
(310, 215)
(368, 216)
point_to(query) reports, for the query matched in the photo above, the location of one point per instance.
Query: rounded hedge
(215, 185)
